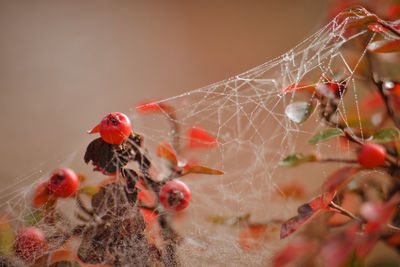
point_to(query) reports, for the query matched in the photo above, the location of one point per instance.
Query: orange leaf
(153, 107)
(203, 170)
(339, 178)
(200, 138)
(166, 151)
(96, 129)
(253, 236)
(299, 87)
(293, 189)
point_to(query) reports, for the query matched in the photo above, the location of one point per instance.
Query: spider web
(248, 116)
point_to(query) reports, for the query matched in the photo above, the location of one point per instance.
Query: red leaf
(305, 212)
(148, 215)
(294, 250)
(147, 198)
(253, 236)
(299, 87)
(385, 46)
(377, 28)
(153, 107)
(200, 138)
(166, 151)
(203, 170)
(339, 178)
(371, 101)
(377, 215)
(96, 129)
(338, 247)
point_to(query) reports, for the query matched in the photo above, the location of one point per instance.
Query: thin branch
(344, 211)
(351, 161)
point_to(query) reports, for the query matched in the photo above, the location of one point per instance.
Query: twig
(345, 212)
(338, 160)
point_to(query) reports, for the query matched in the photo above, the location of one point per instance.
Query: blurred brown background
(65, 64)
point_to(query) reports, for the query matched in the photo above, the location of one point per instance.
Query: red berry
(30, 244)
(175, 196)
(42, 194)
(115, 128)
(371, 155)
(63, 183)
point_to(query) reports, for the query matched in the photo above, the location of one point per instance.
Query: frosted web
(251, 117)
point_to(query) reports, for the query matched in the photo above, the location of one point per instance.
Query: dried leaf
(297, 159)
(339, 178)
(200, 138)
(111, 202)
(385, 135)
(106, 157)
(166, 151)
(325, 135)
(203, 170)
(305, 212)
(385, 46)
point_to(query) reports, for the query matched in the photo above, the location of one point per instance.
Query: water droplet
(299, 111)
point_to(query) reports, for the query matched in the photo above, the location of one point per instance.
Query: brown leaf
(105, 156)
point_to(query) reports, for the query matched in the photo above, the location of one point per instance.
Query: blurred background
(65, 64)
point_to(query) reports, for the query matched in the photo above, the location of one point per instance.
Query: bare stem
(352, 161)
(344, 211)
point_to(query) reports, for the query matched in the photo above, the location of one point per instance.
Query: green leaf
(219, 219)
(385, 135)
(89, 190)
(325, 135)
(297, 159)
(33, 218)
